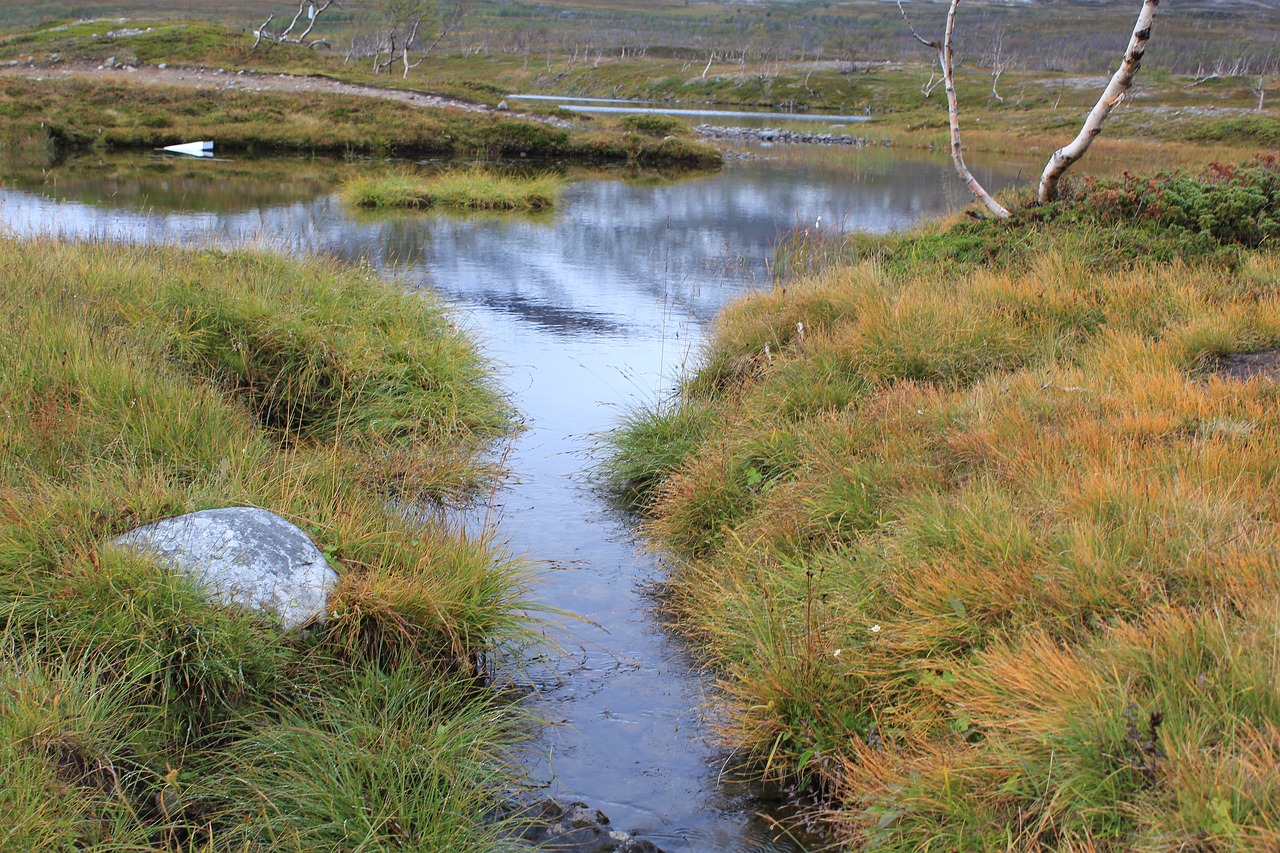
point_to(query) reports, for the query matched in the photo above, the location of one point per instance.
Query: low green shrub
(654, 124)
(1254, 130)
(1226, 205)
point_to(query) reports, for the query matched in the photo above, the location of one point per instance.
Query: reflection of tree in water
(611, 250)
(550, 317)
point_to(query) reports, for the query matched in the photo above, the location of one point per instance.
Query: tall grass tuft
(474, 188)
(141, 383)
(981, 529)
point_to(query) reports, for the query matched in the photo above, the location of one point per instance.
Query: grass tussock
(981, 537)
(460, 189)
(141, 383)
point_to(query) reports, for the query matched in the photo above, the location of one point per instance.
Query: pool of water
(752, 117)
(587, 312)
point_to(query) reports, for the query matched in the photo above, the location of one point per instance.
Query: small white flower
(875, 629)
(836, 653)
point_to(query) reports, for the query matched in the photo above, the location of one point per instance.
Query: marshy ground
(977, 523)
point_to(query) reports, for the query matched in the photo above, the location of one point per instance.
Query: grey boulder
(247, 557)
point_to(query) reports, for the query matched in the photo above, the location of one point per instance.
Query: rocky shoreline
(771, 134)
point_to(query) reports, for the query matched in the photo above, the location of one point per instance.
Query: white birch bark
(946, 58)
(1111, 96)
(953, 115)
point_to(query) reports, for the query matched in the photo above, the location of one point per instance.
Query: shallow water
(591, 310)
(756, 117)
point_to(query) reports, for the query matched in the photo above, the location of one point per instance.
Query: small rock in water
(247, 557)
(571, 826)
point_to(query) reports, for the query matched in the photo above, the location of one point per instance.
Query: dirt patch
(1242, 366)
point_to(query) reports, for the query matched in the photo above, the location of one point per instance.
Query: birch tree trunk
(1111, 96)
(946, 57)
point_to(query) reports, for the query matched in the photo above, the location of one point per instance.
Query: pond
(757, 117)
(588, 311)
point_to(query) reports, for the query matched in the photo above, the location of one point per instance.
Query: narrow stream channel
(591, 310)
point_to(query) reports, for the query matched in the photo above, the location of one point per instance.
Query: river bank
(51, 112)
(144, 382)
(978, 521)
(591, 309)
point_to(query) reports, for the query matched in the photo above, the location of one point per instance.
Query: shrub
(654, 124)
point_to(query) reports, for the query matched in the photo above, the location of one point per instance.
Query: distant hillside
(1226, 36)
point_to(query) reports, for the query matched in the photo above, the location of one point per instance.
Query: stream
(588, 312)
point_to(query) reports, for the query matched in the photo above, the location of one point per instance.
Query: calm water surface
(756, 117)
(589, 311)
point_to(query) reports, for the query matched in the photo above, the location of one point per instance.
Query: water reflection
(591, 310)
(622, 106)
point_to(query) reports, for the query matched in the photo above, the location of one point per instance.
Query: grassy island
(979, 522)
(142, 383)
(463, 189)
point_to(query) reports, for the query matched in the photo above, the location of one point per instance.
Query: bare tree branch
(263, 33)
(1111, 96)
(448, 26)
(924, 41)
(999, 63)
(927, 88)
(260, 31)
(315, 16)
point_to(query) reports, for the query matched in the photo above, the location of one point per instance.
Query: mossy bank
(141, 383)
(54, 116)
(979, 523)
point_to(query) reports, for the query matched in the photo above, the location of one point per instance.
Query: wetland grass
(981, 540)
(474, 188)
(142, 382)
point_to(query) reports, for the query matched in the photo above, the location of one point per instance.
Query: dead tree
(1260, 88)
(999, 63)
(263, 33)
(946, 58)
(403, 22)
(927, 87)
(1115, 92)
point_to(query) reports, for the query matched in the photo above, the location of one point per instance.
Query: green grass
(979, 537)
(1043, 108)
(466, 189)
(58, 116)
(141, 383)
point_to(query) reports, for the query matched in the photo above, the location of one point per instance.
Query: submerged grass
(473, 188)
(140, 383)
(983, 535)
